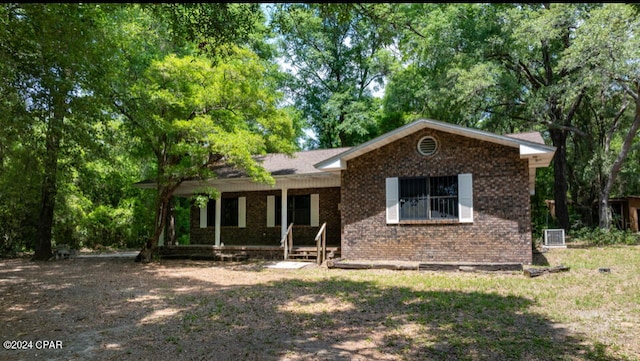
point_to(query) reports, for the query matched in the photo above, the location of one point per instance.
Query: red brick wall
(501, 231)
(256, 231)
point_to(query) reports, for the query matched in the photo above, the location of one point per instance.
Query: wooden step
(303, 255)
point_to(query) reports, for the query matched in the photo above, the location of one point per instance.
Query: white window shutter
(393, 209)
(203, 217)
(315, 210)
(465, 198)
(271, 211)
(242, 212)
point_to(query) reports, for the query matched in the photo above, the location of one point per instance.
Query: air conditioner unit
(554, 238)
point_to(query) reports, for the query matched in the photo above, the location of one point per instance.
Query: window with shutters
(424, 198)
(429, 199)
(229, 214)
(298, 209)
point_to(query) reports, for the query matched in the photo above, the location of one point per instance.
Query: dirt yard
(115, 309)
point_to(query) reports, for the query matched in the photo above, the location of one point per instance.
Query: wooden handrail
(321, 244)
(287, 241)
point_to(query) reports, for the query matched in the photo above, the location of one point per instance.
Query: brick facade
(256, 231)
(500, 232)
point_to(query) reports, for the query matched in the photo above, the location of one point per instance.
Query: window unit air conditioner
(554, 238)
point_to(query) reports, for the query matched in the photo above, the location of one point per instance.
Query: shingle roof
(533, 137)
(281, 164)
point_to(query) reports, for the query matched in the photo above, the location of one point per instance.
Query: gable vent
(427, 146)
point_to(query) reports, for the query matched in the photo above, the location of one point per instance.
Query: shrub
(602, 237)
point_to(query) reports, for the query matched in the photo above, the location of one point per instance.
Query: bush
(602, 237)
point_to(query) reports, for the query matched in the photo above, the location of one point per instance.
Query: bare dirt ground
(110, 308)
(107, 308)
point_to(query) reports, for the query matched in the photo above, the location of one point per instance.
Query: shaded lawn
(115, 309)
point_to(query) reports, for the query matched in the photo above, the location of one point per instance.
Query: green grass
(580, 314)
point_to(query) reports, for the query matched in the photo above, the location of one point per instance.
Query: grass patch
(581, 314)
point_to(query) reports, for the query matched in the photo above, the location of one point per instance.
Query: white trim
(317, 180)
(271, 211)
(283, 213)
(315, 210)
(242, 212)
(529, 150)
(393, 209)
(465, 198)
(203, 217)
(218, 220)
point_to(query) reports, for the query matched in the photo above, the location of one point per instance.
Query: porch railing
(287, 241)
(321, 244)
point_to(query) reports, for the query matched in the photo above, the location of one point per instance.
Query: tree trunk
(559, 138)
(162, 206)
(170, 234)
(604, 212)
(43, 249)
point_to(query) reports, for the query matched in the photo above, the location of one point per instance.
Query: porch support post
(218, 218)
(283, 213)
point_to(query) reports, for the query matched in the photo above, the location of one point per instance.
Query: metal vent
(427, 146)
(554, 238)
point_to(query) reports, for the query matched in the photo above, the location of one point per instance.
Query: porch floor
(235, 253)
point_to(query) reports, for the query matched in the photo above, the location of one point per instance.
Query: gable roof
(529, 145)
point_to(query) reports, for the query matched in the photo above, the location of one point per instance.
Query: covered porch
(288, 220)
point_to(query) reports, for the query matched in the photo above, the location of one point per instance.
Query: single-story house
(428, 191)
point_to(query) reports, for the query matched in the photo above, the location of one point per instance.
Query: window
(298, 209)
(232, 213)
(229, 214)
(301, 210)
(428, 198)
(211, 212)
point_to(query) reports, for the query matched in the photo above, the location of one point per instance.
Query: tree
(191, 115)
(338, 56)
(57, 52)
(498, 66)
(446, 74)
(605, 56)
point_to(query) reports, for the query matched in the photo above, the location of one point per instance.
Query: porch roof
(295, 171)
(301, 163)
